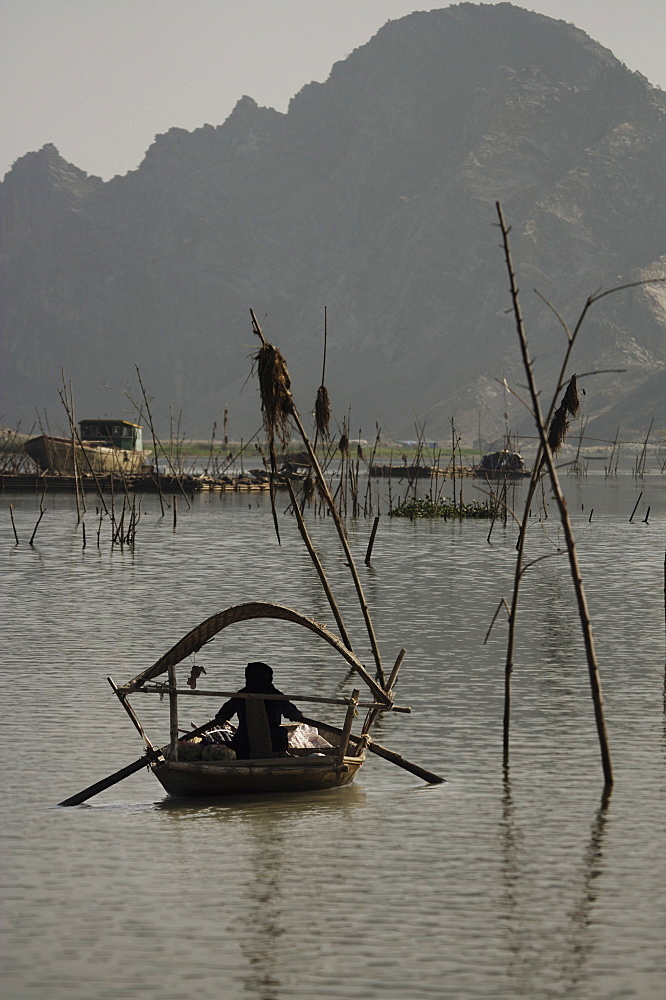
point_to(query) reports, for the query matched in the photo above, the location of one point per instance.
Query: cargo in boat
(501, 465)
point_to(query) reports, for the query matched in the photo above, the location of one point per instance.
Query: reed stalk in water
(67, 399)
(11, 515)
(322, 410)
(279, 412)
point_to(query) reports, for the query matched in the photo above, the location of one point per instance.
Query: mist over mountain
(373, 196)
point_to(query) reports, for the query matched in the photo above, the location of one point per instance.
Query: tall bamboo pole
(173, 713)
(536, 479)
(346, 729)
(588, 638)
(319, 568)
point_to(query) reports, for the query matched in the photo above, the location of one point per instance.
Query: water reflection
(256, 808)
(663, 736)
(270, 900)
(578, 944)
(569, 945)
(511, 880)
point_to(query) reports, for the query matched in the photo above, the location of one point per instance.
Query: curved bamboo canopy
(209, 628)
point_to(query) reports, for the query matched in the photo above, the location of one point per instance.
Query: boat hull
(54, 454)
(195, 779)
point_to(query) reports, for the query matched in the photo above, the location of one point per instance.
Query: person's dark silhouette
(259, 732)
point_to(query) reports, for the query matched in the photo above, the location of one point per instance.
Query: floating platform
(410, 472)
(140, 483)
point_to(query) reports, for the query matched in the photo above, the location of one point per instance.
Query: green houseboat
(99, 446)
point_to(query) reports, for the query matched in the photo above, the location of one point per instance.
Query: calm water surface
(483, 887)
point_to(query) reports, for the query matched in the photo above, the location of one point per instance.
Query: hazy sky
(100, 78)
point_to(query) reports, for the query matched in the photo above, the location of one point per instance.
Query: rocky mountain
(373, 196)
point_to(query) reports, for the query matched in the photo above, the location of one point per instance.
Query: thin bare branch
(548, 555)
(503, 382)
(555, 313)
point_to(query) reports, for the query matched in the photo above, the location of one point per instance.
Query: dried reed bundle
(571, 400)
(277, 404)
(323, 413)
(559, 425)
(343, 445)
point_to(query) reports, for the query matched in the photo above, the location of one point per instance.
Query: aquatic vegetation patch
(444, 507)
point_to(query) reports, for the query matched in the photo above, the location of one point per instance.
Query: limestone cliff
(374, 196)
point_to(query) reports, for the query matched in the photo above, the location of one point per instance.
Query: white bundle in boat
(303, 735)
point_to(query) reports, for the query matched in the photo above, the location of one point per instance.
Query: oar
(124, 772)
(395, 758)
(112, 779)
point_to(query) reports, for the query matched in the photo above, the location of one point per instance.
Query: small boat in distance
(100, 446)
(501, 465)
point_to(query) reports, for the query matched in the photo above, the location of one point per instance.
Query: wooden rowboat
(191, 779)
(330, 762)
(326, 763)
